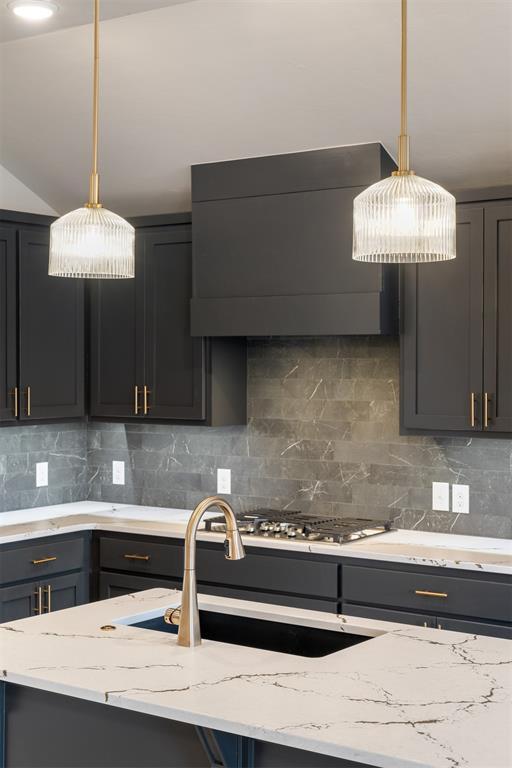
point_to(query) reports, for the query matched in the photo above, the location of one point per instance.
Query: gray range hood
(272, 246)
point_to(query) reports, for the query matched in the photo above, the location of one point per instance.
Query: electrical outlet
(118, 472)
(223, 481)
(441, 497)
(41, 474)
(460, 499)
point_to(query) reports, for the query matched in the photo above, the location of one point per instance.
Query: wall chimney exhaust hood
(272, 246)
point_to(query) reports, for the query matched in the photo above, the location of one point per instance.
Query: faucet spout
(189, 633)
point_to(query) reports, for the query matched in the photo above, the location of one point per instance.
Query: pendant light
(92, 241)
(404, 219)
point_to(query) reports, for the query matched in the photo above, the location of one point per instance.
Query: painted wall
(322, 436)
(15, 196)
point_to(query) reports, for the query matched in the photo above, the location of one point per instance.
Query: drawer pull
(48, 592)
(137, 557)
(43, 560)
(427, 593)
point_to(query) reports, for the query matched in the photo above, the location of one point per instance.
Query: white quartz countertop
(422, 548)
(406, 698)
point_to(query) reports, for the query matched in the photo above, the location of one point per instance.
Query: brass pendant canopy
(404, 219)
(92, 242)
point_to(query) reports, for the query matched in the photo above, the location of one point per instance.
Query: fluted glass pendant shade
(404, 219)
(92, 242)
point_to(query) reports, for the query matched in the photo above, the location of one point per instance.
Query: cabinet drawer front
(141, 557)
(267, 573)
(425, 591)
(40, 560)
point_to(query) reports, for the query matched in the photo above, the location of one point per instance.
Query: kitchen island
(84, 687)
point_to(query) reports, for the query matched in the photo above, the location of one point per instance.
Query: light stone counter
(408, 697)
(422, 548)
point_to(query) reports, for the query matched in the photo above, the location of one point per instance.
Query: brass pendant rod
(403, 141)
(95, 179)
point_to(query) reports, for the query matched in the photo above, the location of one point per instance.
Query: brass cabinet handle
(136, 403)
(472, 409)
(146, 403)
(487, 400)
(48, 593)
(38, 594)
(43, 560)
(137, 557)
(427, 593)
(28, 398)
(14, 394)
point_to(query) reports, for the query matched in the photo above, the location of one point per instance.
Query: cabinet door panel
(8, 375)
(65, 592)
(117, 344)
(442, 333)
(386, 614)
(475, 627)
(51, 335)
(119, 584)
(174, 360)
(18, 602)
(498, 316)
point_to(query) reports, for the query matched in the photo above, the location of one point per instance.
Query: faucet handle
(173, 615)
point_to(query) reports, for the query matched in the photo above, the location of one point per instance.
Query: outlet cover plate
(118, 472)
(223, 481)
(441, 497)
(460, 499)
(41, 474)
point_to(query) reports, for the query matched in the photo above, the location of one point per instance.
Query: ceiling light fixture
(33, 10)
(404, 219)
(92, 242)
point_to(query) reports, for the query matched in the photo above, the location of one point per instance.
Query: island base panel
(49, 730)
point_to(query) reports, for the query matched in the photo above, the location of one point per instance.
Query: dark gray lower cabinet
(20, 601)
(67, 732)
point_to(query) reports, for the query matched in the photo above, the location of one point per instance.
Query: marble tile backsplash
(323, 436)
(63, 446)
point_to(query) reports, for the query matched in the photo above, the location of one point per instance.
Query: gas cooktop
(298, 526)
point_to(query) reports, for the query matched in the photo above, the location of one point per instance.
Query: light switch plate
(41, 474)
(441, 497)
(118, 472)
(460, 499)
(223, 481)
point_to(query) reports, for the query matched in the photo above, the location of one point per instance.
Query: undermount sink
(266, 635)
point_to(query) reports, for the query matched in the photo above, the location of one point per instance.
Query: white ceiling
(217, 79)
(72, 13)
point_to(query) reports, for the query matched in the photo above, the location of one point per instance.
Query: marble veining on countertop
(406, 698)
(403, 546)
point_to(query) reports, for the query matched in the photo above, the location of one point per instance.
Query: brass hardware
(48, 592)
(136, 404)
(427, 593)
(487, 400)
(146, 403)
(14, 394)
(28, 400)
(424, 623)
(137, 557)
(38, 594)
(172, 616)
(472, 409)
(43, 560)
(94, 181)
(439, 626)
(108, 628)
(189, 633)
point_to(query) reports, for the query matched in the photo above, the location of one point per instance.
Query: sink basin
(266, 635)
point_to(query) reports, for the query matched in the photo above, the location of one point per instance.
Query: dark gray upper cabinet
(456, 330)
(8, 378)
(51, 335)
(498, 316)
(272, 246)
(41, 327)
(144, 363)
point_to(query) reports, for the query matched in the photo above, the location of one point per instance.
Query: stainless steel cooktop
(298, 526)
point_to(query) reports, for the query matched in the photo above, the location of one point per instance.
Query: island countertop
(406, 698)
(474, 553)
